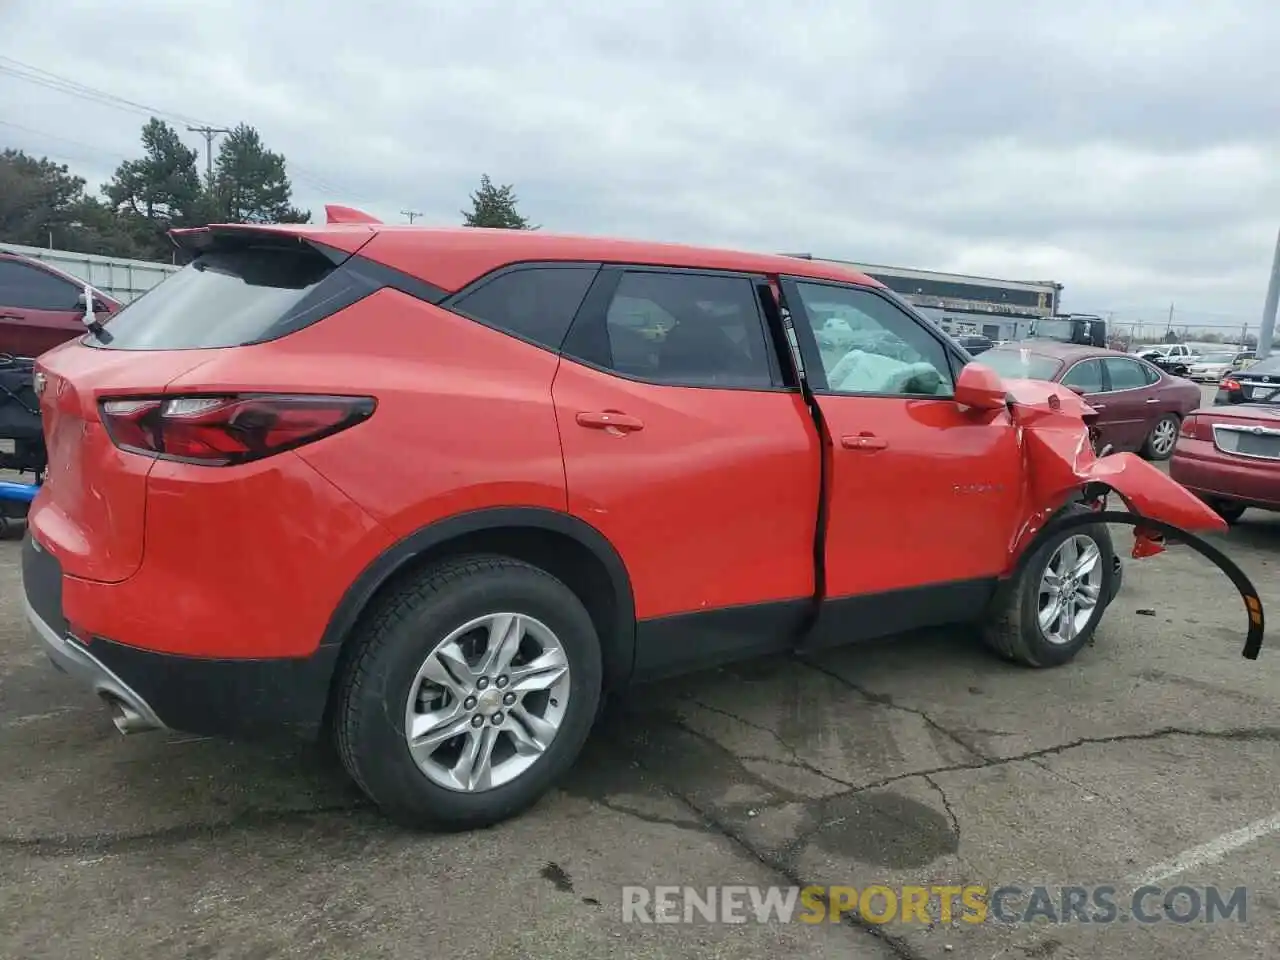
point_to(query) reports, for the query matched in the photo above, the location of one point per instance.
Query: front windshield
(1021, 364)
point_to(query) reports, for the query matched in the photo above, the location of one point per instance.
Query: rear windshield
(1271, 366)
(1021, 364)
(221, 299)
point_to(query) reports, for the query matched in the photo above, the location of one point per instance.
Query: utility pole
(208, 133)
(1268, 328)
(1169, 329)
(412, 215)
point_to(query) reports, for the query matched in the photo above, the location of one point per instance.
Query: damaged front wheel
(1050, 609)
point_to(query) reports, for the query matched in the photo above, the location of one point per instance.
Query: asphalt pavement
(916, 761)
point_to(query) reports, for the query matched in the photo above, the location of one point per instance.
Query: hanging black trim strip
(1252, 602)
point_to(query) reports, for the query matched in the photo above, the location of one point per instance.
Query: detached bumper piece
(147, 690)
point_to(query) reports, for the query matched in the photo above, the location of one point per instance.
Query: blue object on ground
(23, 492)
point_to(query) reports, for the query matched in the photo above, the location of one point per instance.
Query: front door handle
(1153, 399)
(864, 441)
(611, 420)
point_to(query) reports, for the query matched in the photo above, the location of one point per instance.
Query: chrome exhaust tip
(127, 719)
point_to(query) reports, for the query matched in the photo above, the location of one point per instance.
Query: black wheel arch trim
(440, 532)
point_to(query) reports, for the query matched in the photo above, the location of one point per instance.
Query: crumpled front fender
(1149, 493)
(1060, 462)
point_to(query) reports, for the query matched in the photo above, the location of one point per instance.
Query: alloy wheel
(1070, 588)
(487, 702)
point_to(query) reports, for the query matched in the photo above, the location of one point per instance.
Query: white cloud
(1125, 149)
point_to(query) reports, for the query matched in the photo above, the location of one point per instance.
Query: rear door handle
(610, 420)
(864, 441)
(1153, 399)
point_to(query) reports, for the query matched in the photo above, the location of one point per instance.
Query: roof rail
(336, 213)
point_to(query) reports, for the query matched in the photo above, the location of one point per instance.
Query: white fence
(118, 277)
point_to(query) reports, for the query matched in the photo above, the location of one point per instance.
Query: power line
(90, 148)
(83, 91)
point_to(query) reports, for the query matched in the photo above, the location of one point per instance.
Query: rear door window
(231, 298)
(687, 329)
(25, 287)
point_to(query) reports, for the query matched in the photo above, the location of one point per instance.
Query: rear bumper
(255, 699)
(1198, 466)
(132, 714)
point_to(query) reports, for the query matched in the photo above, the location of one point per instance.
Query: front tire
(1054, 603)
(471, 691)
(1162, 438)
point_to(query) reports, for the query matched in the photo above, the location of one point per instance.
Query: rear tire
(1162, 438)
(499, 662)
(1229, 510)
(1023, 629)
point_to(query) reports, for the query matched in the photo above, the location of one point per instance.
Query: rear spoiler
(337, 245)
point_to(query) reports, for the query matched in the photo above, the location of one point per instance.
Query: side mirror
(980, 388)
(1078, 391)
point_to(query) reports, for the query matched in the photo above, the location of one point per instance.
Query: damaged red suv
(431, 492)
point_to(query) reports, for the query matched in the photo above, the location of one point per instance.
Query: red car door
(682, 447)
(923, 498)
(38, 308)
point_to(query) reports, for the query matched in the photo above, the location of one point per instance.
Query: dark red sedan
(1230, 457)
(1140, 407)
(41, 306)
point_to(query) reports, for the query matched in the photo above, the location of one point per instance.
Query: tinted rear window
(226, 299)
(1267, 367)
(1021, 364)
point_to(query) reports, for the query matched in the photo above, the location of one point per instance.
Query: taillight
(1193, 428)
(220, 431)
(1229, 385)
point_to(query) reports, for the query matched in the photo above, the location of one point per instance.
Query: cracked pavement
(916, 760)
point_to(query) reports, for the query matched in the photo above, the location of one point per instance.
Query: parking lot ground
(915, 761)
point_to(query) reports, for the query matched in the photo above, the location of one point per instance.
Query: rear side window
(534, 303)
(25, 287)
(232, 298)
(1125, 374)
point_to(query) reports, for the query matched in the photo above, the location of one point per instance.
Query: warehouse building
(962, 304)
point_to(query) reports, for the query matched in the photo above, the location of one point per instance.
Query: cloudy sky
(1130, 154)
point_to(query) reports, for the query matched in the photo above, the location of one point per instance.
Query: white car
(1212, 367)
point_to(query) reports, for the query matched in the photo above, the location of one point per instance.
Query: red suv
(41, 306)
(433, 491)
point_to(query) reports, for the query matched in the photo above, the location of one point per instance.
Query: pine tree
(495, 207)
